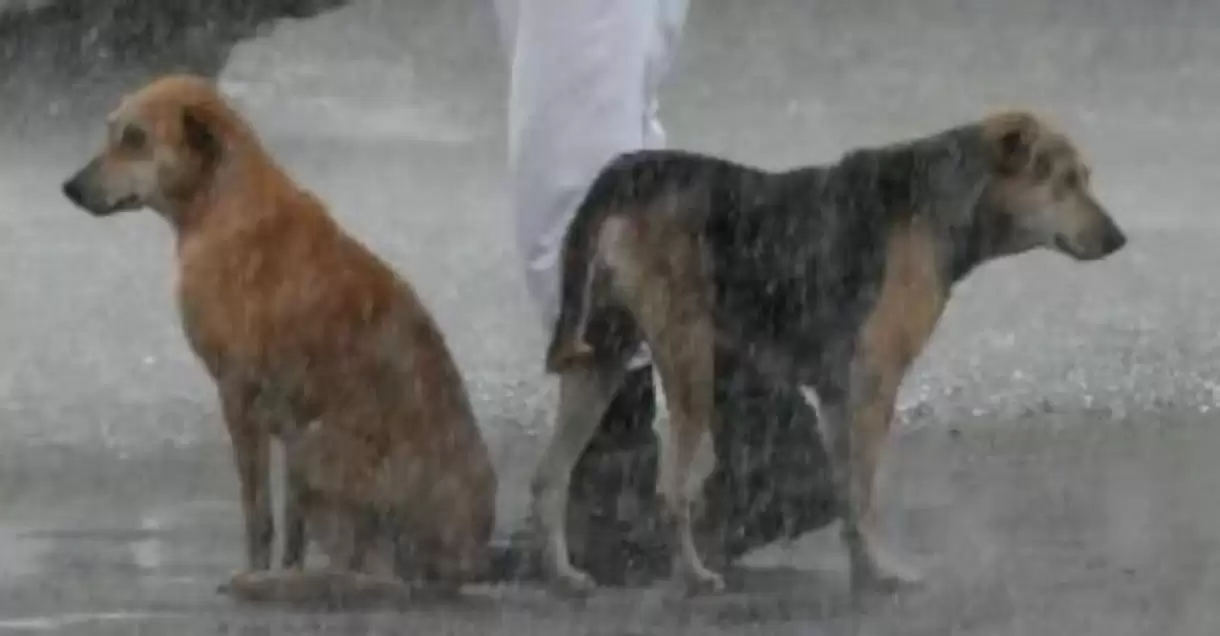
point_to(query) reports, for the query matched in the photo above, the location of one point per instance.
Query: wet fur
(829, 277)
(309, 337)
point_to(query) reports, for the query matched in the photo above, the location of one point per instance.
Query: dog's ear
(200, 137)
(1013, 137)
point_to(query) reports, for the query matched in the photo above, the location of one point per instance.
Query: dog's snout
(1113, 239)
(74, 191)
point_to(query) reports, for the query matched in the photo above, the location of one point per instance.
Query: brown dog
(829, 277)
(309, 337)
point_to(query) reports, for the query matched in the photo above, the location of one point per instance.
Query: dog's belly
(780, 342)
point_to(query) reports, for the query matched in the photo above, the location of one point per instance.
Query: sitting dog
(831, 278)
(310, 338)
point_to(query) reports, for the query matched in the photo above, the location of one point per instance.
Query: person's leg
(583, 89)
(581, 93)
(584, 76)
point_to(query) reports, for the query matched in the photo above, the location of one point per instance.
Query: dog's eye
(1042, 167)
(132, 138)
(1071, 180)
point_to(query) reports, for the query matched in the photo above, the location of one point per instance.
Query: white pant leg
(585, 75)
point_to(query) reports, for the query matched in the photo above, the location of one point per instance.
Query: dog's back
(774, 240)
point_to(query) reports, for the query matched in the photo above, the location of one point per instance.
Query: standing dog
(831, 278)
(308, 336)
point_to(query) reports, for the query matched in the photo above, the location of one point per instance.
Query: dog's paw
(570, 582)
(885, 575)
(698, 580)
(240, 581)
(568, 354)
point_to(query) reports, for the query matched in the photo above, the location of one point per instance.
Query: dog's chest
(228, 301)
(299, 314)
(909, 304)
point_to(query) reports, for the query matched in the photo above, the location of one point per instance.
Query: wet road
(1053, 473)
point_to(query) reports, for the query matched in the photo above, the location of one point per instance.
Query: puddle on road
(60, 621)
(156, 546)
(20, 552)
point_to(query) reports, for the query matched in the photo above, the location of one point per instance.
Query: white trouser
(585, 75)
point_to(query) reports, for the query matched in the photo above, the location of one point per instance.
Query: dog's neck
(245, 170)
(941, 180)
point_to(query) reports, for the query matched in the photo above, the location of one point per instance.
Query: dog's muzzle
(1094, 245)
(74, 191)
(82, 190)
(1113, 239)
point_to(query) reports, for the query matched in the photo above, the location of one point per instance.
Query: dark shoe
(772, 479)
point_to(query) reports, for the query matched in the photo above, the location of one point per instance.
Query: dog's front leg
(856, 424)
(296, 491)
(293, 555)
(251, 453)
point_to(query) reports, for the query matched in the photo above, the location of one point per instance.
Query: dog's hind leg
(684, 357)
(585, 391)
(660, 273)
(365, 525)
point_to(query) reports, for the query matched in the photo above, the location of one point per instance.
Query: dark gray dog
(828, 278)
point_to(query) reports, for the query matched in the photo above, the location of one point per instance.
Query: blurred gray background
(1054, 471)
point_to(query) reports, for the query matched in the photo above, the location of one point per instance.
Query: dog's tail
(330, 589)
(579, 269)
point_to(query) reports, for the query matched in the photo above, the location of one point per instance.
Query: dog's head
(159, 150)
(1040, 193)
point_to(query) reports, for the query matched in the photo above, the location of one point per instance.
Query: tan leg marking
(912, 299)
(585, 392)
(659, 272)
(252, 456)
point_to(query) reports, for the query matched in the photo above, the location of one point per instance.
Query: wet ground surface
(1057, 524)
(1053, 472)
